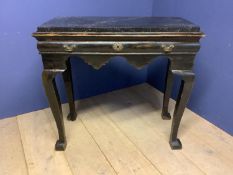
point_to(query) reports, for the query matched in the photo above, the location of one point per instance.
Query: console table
(138, 39)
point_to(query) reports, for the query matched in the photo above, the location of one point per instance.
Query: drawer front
(117, 47)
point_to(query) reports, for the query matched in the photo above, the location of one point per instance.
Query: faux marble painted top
(118, 24)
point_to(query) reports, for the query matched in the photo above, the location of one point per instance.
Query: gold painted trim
(120, 34)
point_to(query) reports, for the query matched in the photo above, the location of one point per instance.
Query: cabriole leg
(67, 76)
(183, 96)
(48, 77)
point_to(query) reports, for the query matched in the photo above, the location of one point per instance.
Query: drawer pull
(167, 48)
(69, 48)
(117, 47)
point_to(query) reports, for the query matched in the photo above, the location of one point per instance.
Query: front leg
(48, 77)
(67, 76)
(182, 100)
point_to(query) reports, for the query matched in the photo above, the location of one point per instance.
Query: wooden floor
(116, 133)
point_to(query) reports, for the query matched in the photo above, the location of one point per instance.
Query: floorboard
(82, 153)
(122, 111)
(12, 160)
(118, 149)
(207, 157)
(120, 132)
(38, 141)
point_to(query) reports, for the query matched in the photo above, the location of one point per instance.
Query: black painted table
(138, 39)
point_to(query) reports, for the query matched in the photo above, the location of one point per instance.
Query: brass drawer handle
(117, 47)
(69, 48)
(168, 48)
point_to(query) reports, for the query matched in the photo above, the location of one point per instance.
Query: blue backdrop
(21, 89)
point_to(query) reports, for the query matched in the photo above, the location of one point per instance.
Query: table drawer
(117, 47)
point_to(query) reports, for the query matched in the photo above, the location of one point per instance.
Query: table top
(118, 24)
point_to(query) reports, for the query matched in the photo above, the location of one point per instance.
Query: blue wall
(21, 89)
(212, 97)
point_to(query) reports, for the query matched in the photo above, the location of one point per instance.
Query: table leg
(183, 96)
(48, 77)
(67, 76)
(168, 88)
